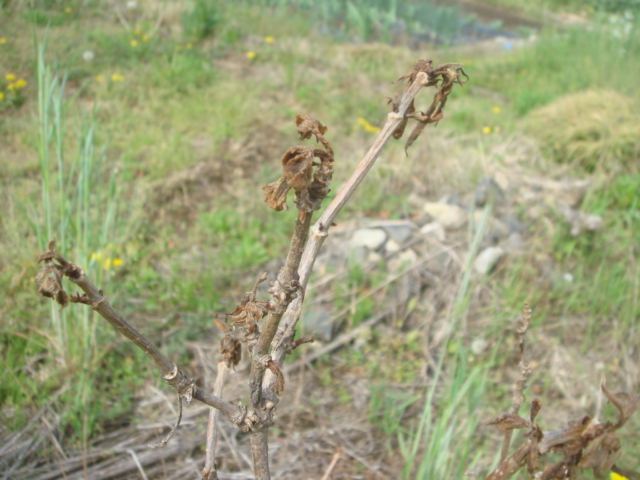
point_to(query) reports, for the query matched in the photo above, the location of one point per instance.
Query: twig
(95, 298)
(332, 465)
(209, 471)
(517, 398)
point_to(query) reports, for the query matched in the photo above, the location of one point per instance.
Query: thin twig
(209, 472)
(332, 465)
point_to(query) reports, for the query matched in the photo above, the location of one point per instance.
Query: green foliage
(202, 20)
(385, 20)
(566, 61)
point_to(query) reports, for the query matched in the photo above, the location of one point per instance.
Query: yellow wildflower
(250, 55)
(133, 43)
(3, 40)
(100, 78)
(189, 46)
(617, 476)
(486, 130)
(269, 39)
(117, 262)
(496, 109)
(95, 256)
(10, 77)
(366, 126)
(20, 83)
(116, 77)
(1, 96)
(11, 87)
(145, 38)
(107, 263)
(68, 10)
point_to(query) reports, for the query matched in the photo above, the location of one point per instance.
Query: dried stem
(209, 472)
(319, 231)
(94, 297)
(517, 398)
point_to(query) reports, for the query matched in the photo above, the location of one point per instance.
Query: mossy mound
(594, 129)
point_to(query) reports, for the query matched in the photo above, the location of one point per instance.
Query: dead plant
(583, 444)
(265, 329)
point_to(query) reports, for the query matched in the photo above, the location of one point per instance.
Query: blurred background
(138, 135)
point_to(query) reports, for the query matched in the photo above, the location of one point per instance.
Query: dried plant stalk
(307, 171)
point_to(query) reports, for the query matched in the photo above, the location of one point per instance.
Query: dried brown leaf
(49, 283)
(508, 422)
(624, 403)
(231, 350)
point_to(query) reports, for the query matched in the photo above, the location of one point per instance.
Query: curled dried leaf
(508, 422)
(301, 172)
(624, 403)
(231, 350)
(49, 284)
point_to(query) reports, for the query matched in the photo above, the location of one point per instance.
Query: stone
(398, 230)
(317, 322)
(487, 190)
(451, 217)
(434, 229)
(371, 238)
(403, 260)
(391, 246)
(478, 346)
(487, 259)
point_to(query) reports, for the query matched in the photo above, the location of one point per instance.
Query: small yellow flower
(496, 109)
(251, 55)
(116, 77)
(95, 256)
(10, 77)
(366, 126)
(100, 78)
(616, 476)
(1, 96)
(107, 263)
(117, 262)
(486, 130)
(269, 39)
(133, 43)
(189, 46)
(68, 10)
(145, 38)
(11, 87)
(3, 40)
(20, 83)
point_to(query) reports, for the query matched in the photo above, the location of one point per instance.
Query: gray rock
(371, 238)
(451, 217)
(317, 323)
(433, 229)
(487, 190)
(488, 259)
(398, 230)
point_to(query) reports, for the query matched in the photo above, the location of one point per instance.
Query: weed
(202, 20)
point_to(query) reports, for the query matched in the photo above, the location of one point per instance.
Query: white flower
(87, 55)
(131, 4)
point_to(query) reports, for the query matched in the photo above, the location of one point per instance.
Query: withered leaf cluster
(306, 170)
(241, 325)
(583, 445)
(49, 278)
(443, 77)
